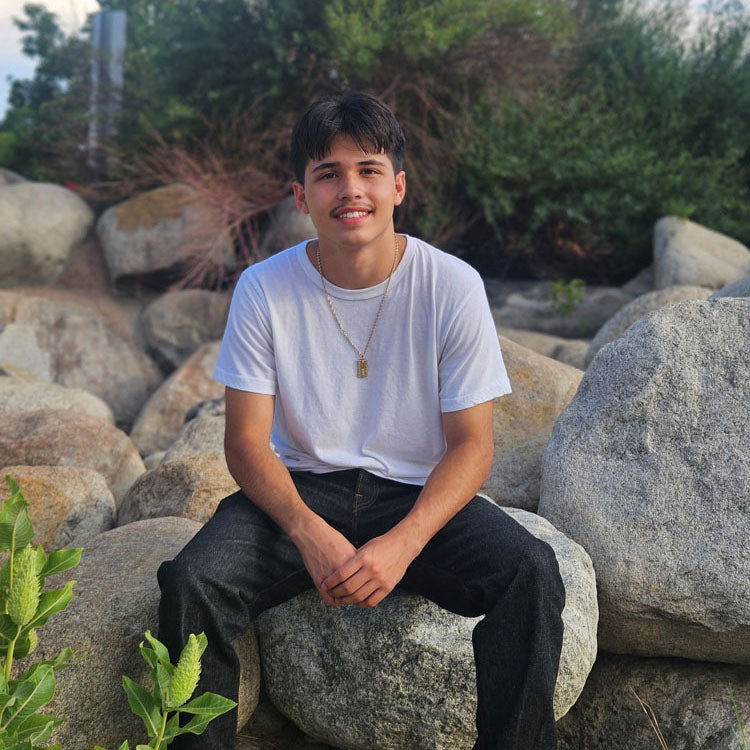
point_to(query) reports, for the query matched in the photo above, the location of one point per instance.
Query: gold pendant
(361, 367)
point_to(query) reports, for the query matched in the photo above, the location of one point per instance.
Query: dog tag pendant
(361, 367)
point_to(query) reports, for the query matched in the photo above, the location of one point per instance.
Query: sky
(72, 15)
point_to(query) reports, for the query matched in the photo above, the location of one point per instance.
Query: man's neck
(357, 267)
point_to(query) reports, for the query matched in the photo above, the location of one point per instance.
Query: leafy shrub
(26, 607)
(173, 686)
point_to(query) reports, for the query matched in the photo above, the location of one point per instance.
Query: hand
(368, 577)
(323, 551)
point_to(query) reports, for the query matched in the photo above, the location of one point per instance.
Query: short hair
(364, 118)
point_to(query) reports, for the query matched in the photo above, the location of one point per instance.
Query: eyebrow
(364, 163)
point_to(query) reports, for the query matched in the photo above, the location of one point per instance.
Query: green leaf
(30, 695)
(205, 708)
(161, 650)
(51, 602)
(37, 727)
(143, 705)
(16, 530)
(8, 629)
(62, 660)
(62, 559)
(149, 656)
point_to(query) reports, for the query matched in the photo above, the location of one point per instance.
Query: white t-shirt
(435, 349)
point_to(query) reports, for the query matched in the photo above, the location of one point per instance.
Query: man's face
(350, 195)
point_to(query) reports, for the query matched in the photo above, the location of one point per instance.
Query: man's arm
(266, 481)
(369, 576)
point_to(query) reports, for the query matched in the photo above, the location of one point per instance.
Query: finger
(374, 599)
(327, 598)
(339, 575)
(350, 585)
(360, 595)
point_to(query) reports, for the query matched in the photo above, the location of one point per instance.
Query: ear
(400, 188)
(299, 197)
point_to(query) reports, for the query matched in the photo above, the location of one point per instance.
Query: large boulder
(54, 437)
(648, 469)
(177, 323)
(200, 435)
(163, 415)
(569, 351)
(86, 352)
(17, 394)
(686, 253)
(739, 288)
(523, 421)
(115, 601)
(401, 675)
(67, 505)
(186, 487)
(155, 238)
(532, 309)
(635, 310)
(40, 225)
(692, 703)
(20, 352)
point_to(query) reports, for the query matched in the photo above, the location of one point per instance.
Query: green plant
(173, 686)
(740, 724)
(25, 608)
(565, 297)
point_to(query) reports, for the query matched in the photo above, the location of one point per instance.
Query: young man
(370, 360)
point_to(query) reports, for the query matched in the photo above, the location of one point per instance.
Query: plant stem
(9, 655)
(161, 731)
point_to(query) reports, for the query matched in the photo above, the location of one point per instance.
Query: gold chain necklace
(362, 361)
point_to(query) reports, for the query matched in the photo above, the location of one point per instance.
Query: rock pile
(641, 463)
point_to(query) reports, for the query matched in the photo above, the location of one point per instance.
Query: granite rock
(648, 469)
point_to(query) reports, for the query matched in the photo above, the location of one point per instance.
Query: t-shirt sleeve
(471, 368)
(246, 357)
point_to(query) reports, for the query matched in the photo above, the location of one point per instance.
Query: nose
(349, 187)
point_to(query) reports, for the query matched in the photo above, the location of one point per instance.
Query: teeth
(352, 214)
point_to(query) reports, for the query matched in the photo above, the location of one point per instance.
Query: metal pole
(107, 76)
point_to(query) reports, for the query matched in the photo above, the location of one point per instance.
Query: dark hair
(361, 116)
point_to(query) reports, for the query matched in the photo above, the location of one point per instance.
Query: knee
(541, 573)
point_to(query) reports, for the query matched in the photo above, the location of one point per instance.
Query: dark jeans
(481, 562)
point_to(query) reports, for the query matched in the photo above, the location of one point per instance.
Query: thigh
(243, 551)
(476, 556)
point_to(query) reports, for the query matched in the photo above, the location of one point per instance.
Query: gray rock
(186, 487)
(523, 422)
(211, 407)
(40, 225)
(641, 283)
(648, 469)
(692, 702)
(87, 352)
(289, 226)
(7, 177)
(686, 253)
(569, 351)
(115, 601)
(54, 437)
(157, 237)
(532, 310)
(376, 678)
(199, 436)
(67, 505)
(153, 460)
(178, 322)
(635, 310)
(31, 395)
(19, 349)
(739, 288)
(163, 415)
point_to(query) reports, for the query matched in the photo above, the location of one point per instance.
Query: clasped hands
(344, 574)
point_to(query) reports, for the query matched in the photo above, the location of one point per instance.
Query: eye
(369, 170)
(327, 175)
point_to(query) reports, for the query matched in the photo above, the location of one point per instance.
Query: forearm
(452, 483)
(266, 481)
